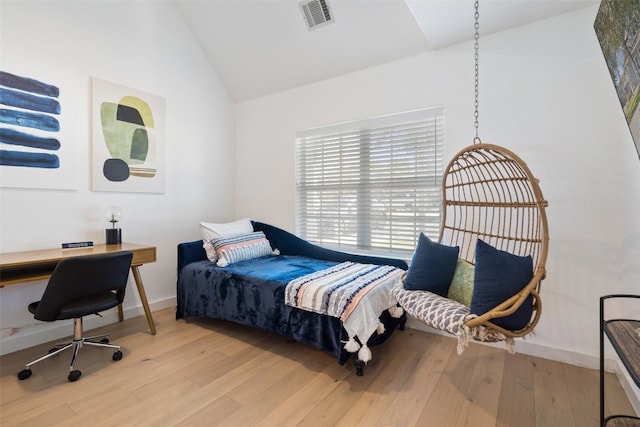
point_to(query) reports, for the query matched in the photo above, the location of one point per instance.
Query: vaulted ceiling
(259, 47)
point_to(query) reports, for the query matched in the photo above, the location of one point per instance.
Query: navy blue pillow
(432, 267)
(498, 276)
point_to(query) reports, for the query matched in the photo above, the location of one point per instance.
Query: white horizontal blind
(373, 184)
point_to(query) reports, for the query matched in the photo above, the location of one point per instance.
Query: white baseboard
(45, 332)
(629, 387)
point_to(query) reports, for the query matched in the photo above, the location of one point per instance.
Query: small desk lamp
(113, 234)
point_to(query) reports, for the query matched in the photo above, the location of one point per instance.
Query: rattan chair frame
(489, 193)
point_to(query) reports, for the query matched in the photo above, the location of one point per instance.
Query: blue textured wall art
(29, 124)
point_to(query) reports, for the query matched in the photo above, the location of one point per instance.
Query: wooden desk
(21, 267)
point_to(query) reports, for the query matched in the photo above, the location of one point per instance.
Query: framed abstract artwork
(617, 27)
(128, 139)
(38, 145)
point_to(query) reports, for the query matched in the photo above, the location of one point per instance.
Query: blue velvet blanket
(252, 293)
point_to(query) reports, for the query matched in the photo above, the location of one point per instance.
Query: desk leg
(143, 297)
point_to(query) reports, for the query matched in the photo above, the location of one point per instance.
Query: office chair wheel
(24, 374)
(117, 355)
(104, 341)
(74, 375)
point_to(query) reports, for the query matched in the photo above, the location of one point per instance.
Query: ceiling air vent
(316, 13)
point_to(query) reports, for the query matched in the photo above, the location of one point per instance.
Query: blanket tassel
(364, 354)
(352, 345)
(396, 312)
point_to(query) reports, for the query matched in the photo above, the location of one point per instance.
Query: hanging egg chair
(494, 212)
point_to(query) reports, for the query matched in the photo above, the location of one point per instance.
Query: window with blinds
(371, 185)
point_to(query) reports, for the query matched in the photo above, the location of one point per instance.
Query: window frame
(423, 137)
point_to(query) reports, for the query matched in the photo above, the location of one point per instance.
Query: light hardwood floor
(209, 373)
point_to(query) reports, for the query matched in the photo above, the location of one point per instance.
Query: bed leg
(359, 364)
(403, 322)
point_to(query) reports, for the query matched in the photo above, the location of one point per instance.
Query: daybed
(252, 292)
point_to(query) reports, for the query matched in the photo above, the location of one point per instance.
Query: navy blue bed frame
(323, 332)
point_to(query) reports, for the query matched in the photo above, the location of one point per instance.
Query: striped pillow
(212, 231)
(241, 247)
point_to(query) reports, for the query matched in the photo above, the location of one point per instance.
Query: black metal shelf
(624, 336)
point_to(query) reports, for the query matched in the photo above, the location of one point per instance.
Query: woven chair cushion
(445, 315)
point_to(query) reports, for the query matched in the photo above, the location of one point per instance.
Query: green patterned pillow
(461, 288)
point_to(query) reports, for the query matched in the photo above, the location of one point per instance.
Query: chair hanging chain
(476, 46)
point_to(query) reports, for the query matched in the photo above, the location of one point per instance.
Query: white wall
(142, 45)
(546, 94)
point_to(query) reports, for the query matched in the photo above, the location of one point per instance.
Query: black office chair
(80, 286)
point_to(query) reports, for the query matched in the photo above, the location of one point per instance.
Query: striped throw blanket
(355, 293)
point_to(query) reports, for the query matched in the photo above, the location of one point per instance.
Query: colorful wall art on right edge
(617, 26)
